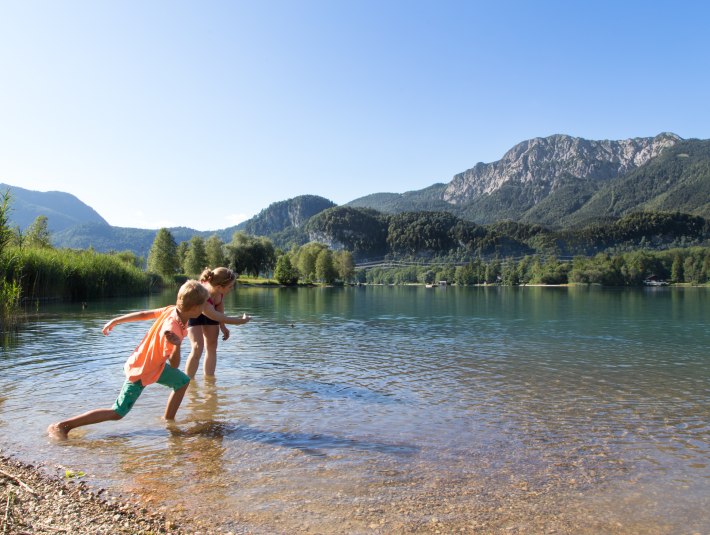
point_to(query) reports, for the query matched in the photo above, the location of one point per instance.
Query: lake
(394, 410)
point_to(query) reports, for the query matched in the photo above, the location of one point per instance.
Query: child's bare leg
(174, 402)
(211, 337)
(61, 429)
(196, 345)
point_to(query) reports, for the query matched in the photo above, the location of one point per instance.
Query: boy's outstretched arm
(133, 316)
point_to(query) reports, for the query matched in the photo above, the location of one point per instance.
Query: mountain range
(560, 182)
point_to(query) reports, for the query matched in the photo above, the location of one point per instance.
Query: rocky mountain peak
(542, 163)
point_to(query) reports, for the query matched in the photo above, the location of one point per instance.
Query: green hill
(104, 238)
(427, 199)
(677, 180)
(62, 210)
(283, 215)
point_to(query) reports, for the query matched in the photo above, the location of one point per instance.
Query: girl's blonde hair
(220, 276)
(191, 294)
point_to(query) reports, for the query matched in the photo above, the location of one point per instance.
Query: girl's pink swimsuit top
(211, 302)
(148, 360)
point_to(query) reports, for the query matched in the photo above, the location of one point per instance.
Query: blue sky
(200, 114)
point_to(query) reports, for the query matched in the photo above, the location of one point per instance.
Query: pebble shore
(32, 502)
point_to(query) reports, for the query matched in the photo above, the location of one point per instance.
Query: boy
(155, 360)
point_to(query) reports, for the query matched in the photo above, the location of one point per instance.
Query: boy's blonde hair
(191, 294)
(221, 276)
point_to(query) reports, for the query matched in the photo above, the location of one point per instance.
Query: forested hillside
(105, 238)
(369, 234)
(427, 199)
(678, 180)
(284, 215)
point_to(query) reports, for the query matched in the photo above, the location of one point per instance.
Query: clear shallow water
(396, 410)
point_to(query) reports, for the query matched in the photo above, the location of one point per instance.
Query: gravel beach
(35, 503)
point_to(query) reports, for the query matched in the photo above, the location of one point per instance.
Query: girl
(204, 330)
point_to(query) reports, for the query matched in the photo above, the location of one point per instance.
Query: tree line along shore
(31, 270)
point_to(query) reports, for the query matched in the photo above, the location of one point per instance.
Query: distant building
(653, 280)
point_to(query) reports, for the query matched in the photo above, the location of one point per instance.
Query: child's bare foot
(57, 432)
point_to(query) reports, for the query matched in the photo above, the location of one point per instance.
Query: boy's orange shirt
(148, 360)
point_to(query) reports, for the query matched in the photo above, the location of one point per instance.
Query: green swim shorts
(130, 392)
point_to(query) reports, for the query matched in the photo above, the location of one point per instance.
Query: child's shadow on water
(311, 444)
(331, 390)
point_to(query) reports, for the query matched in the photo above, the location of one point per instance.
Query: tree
(128, 257)
(677, 269)
(344, 265)
(285, 273)
(37, 234)
(429, 276)
(325, 271)
(163, 258)
(446, 273)
(196, 257)
(247, 254)
(691, 269)
(466, 275)
(493, 272)
(214, 248)
(510, 275)
(182, 249)
(5, 231)
(305, 259)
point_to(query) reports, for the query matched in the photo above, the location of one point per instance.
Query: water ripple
(385, 385)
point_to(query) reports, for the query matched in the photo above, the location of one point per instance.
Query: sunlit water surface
(394, 409)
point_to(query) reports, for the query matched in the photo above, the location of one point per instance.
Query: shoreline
(34, 502)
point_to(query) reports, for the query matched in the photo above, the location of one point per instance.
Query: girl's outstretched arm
(133, 316)
(215, 315)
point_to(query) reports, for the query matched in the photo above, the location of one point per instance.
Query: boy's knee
(182, 384)
(117, 416)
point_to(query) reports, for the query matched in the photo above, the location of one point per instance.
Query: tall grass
(10, 310)
(70, 275)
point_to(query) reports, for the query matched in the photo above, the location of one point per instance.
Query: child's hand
(173, 338)
(246, 318)
(107, 328)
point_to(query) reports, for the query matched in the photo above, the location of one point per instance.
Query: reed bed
(72, 275)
